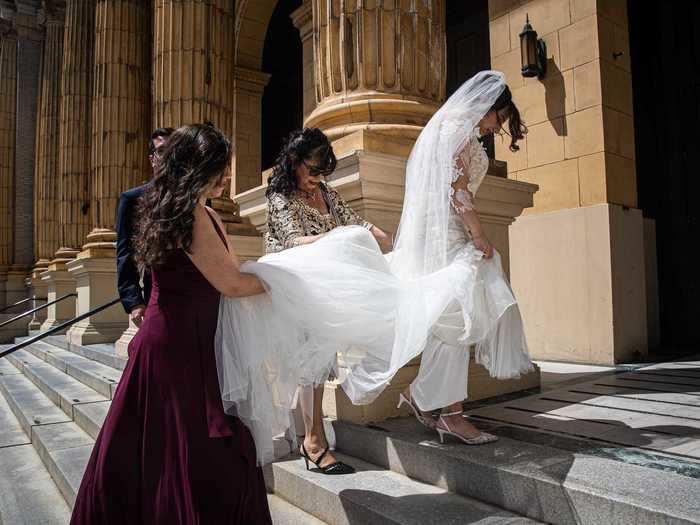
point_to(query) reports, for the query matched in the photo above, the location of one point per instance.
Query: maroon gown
(167, 453)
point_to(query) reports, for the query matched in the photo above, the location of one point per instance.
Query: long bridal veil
(340, 296)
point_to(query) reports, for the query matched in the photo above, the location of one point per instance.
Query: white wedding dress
(435, 294)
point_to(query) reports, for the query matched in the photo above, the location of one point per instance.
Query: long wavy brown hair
(193, 158)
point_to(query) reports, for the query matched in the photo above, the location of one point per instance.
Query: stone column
(379, 65)
(46, 172)
(29, 44)
(46, 224)
(74, 187)
(74, 152)
(120, 129)
(249, 86)
(303, 20)
(193, 70)
(8, 108)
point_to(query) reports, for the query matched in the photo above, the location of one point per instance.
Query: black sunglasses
(316, 171)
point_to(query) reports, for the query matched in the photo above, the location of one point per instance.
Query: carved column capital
(379, 65)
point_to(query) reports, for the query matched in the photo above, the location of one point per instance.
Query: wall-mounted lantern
(533, 52)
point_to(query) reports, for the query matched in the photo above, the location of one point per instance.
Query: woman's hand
(483, 245)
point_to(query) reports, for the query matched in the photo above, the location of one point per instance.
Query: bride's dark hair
(302, 144)
(516, 127)
(192, 158)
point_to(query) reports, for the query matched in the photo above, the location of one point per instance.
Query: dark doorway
(282, 102)
(665, 56)
(468, 48)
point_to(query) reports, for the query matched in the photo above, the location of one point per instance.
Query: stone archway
(252, 20)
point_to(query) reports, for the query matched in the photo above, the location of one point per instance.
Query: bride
(441, 291)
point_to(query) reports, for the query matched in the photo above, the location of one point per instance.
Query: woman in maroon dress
(167, 453)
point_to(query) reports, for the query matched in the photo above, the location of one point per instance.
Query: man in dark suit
(134, 297)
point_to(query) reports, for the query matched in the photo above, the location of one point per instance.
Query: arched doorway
(282, 102)
(267, 55)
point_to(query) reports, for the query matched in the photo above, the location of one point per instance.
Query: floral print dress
(291, 217)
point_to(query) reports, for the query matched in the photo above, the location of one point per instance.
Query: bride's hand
(483, 245)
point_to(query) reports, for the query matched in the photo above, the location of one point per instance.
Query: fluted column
(379, 65)
(120, 113)
(46, 206)
(120, 130)
(193, 69)
(8, 105)
(74, 186)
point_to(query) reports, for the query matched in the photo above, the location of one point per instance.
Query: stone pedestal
(3, 282)
(122, 345)
(246, 240)
(95, 273)
(370, 177)
(15, 288)
(39, 289)
(58, 283)
(337, 405)
(96, 284)
(579, 276)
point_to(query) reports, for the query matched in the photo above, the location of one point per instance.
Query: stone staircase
(54, 399)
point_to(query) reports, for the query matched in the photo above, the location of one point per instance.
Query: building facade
(584, 225)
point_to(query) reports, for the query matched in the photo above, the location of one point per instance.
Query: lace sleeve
(284, 221)
(461, 196)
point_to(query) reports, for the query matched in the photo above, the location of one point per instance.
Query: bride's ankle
(314, 441)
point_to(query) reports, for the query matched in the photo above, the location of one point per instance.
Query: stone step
(64, 390)
(11, 432)
(379, 496)
(101, 353)
(54, 449)
(65, 449)
(28, 495)
(90, 416)
(284, 513)
(99, 377)
(29, 404)
(543, 482)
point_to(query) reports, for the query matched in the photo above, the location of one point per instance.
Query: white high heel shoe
(481, 439)
(428, 422)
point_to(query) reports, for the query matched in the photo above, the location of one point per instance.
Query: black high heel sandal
(334, 469)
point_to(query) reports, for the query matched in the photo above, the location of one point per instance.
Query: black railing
(33, 299)
(33, 310)
(58, 328)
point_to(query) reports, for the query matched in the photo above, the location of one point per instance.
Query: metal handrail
(35, 298)
(59, 328)
(33, 310)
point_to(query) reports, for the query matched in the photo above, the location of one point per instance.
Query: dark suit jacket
(128, 279)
